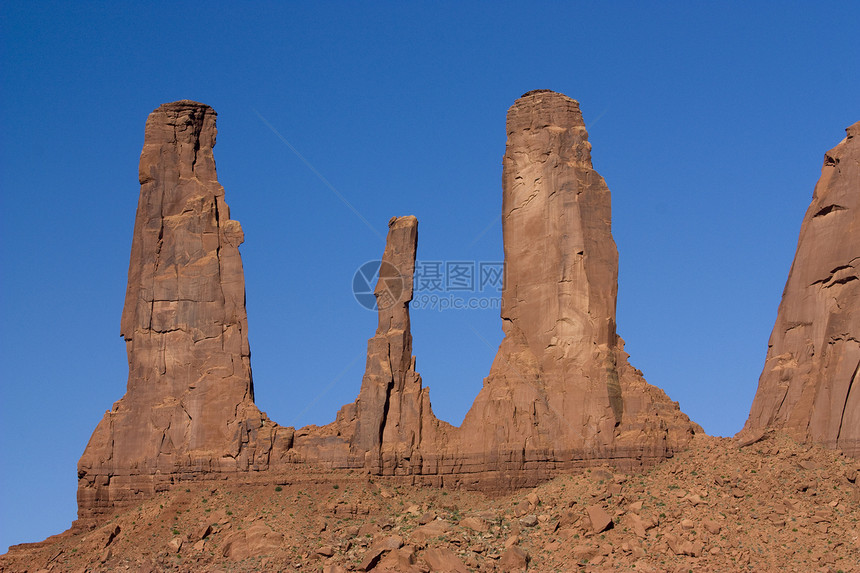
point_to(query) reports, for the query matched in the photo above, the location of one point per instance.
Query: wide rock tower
(809, 385)
(560, 392)
(188, 408)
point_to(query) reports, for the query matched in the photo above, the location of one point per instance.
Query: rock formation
(189, 404)
(392, 415)
(809, 386)
(560, 391)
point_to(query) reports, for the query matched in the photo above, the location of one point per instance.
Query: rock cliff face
(809, 386)
(189, 404)
(560, 391)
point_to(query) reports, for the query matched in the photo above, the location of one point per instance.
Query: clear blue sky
(708, 121)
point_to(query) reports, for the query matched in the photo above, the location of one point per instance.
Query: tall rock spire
(392, 415)
(809, 386)
(189, 402)
(560, 389)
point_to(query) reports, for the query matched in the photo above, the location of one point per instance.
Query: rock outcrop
(560, 392)
(809, 386)
(189, 404)
(392, 416)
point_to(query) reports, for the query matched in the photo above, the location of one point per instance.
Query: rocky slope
(774, 506)
(809, 386)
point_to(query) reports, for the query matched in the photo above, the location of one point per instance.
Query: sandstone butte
(809, 386)
(560, 394)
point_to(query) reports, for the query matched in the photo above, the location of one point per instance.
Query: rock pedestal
(809, 386)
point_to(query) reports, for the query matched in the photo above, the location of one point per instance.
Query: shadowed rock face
(809, 385)
(189, 403)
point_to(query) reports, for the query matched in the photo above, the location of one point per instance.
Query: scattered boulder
(514, 560)
(600, 520)
(442, 560)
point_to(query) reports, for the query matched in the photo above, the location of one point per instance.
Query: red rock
(712, 527)
(257, 540)
(584, 551)
(392, 409)
(637, 525)
(429, 531)
(475, 524)
(398, 561)
(189, 405)
(560, 394)
(600, 520)
(371, 558)
(442, 560)
(560, 390)
(809, 387)
(514, 559)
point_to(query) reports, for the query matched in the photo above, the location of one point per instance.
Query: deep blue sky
(708, 121)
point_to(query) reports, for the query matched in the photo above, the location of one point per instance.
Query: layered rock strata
(188, 408)
(809, 385)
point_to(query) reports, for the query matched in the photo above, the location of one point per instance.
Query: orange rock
(809, 387)
(514, 559)
(443, 560)
(600, 520)
(189, 404)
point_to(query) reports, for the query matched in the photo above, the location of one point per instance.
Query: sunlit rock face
(188, 408)
(809, 385)
(561, 392)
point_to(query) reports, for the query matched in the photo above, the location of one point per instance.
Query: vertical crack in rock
(189, 394)
(806, 385)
